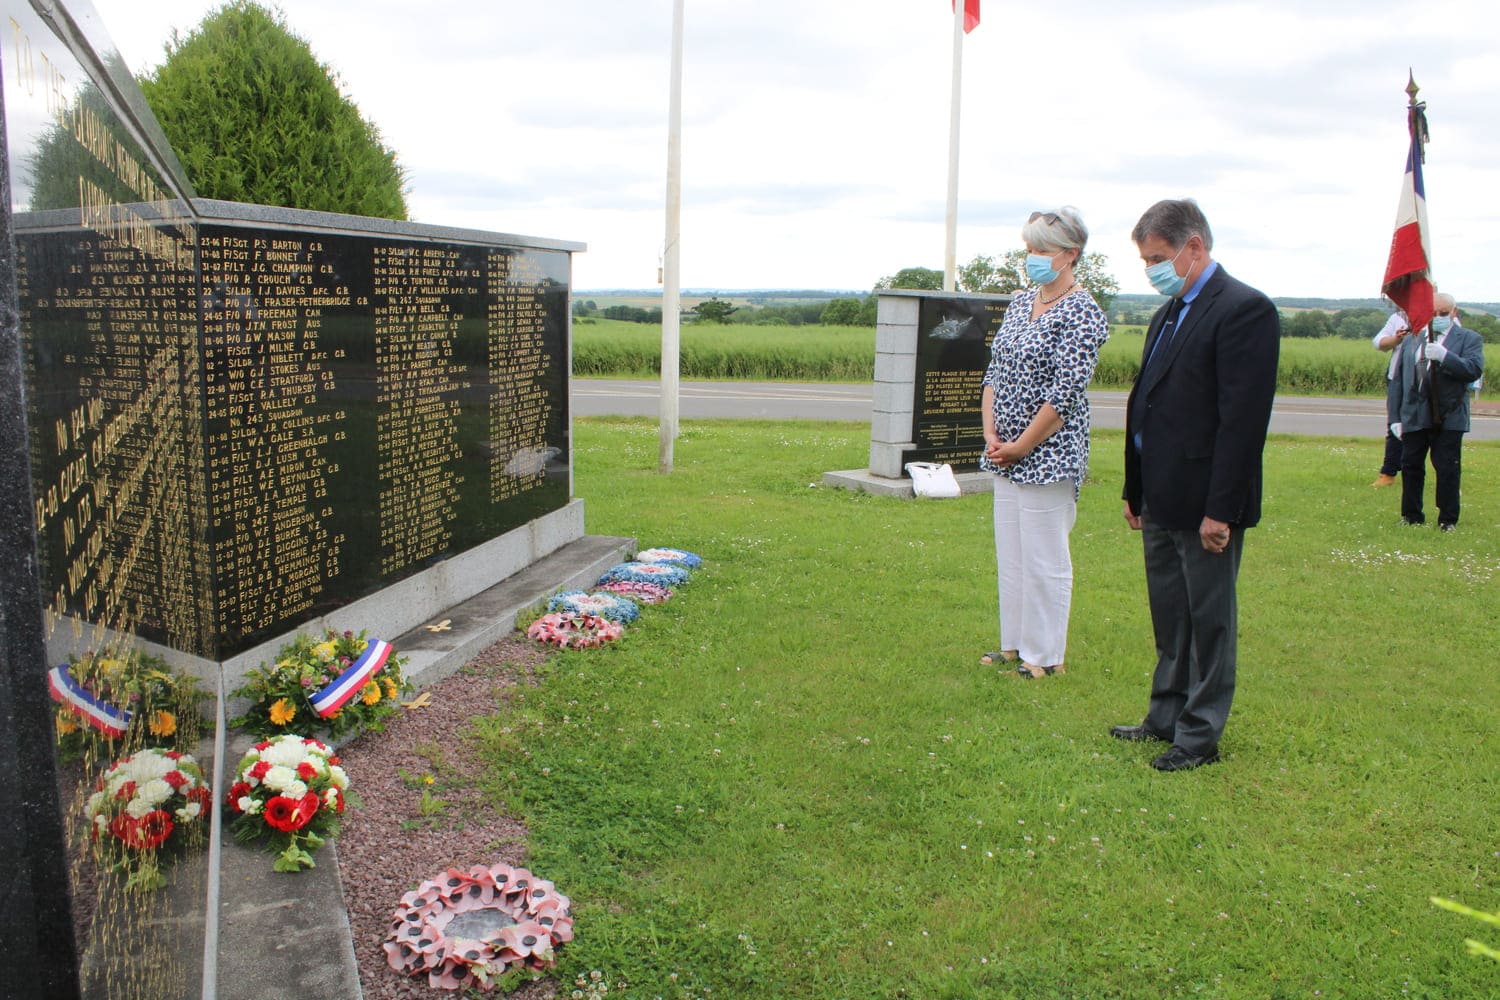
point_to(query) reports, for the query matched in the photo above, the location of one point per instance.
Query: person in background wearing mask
(1035, 416)
(1195, 428)
(1397, 328)
(1429, 406)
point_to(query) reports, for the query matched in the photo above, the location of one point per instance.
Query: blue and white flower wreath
(676, 557)
(663, 574)
(604, 605)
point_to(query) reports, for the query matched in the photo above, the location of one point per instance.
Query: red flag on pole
(1407, 279)
(971, 14)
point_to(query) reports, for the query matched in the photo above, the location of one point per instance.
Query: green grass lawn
(794, 780)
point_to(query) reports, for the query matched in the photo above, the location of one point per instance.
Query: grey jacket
(1408, 402)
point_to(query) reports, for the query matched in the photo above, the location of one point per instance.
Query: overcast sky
(815, 134)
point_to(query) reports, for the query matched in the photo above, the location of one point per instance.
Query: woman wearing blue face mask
(1036, 432)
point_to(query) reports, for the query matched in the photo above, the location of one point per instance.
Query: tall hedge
(254, 117)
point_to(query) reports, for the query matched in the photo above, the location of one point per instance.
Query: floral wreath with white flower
(289, 791)
(661, 574)
(145, 803)
(284, 697)
(615, 607)
(675, 557)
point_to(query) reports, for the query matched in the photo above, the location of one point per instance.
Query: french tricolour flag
(106, 718)
(1407, 279)
(355, 676)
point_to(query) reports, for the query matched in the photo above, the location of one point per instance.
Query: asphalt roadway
(1315, 415)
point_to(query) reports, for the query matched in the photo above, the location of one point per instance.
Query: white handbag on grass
(929, 479)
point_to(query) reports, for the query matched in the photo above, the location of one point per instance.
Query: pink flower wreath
(467, 928)
(569, 630)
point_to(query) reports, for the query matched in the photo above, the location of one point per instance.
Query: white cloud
(815, 135)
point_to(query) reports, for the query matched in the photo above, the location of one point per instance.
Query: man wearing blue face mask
(1429, 401)
(1195, 428)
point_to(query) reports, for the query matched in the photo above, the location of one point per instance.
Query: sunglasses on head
(1050, 218)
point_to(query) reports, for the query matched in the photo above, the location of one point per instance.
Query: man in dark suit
(1194, 432)
(1428, 403)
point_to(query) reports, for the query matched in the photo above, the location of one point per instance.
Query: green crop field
(614, 349)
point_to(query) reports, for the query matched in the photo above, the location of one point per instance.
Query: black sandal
(1002, 656)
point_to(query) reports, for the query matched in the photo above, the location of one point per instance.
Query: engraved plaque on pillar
(953, 351)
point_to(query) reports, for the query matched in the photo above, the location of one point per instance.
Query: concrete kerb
(298, 924)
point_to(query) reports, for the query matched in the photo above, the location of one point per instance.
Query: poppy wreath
(469, 928)
(661, 574)
(289, 791)
(567, 630)
(674, 557)
(150, 801)
(646, 593)
(602, 605)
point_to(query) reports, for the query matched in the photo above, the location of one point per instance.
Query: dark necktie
(1163, 342)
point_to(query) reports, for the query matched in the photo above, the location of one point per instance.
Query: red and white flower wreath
(569, 630)
(467, 928)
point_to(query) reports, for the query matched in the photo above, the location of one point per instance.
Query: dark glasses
(1050, 218)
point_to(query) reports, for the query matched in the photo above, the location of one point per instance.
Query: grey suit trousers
(1194, 615)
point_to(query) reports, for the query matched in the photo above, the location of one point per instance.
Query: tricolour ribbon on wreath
(330, 699)
(109, 720)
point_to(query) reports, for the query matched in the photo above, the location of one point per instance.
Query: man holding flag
(1427, 400)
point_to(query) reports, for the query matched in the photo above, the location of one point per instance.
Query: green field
(615, 349)
(794, 780)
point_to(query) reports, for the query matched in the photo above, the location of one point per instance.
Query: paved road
(838, 401)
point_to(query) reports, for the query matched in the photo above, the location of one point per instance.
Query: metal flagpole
(950, 247)
(671, 320)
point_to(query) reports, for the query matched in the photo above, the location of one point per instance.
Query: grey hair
(1067, 233)
(1176, 222)
(1446, 298)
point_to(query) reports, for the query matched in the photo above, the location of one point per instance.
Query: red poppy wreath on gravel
(468, 928)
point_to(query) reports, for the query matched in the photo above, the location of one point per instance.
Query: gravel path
(387, 846)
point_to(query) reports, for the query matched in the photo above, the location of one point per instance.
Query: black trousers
(1195, 620)
(1445, 449)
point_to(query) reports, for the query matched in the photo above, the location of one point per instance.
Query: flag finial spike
(1411, 88)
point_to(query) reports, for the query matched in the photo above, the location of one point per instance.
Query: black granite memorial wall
(314, 415)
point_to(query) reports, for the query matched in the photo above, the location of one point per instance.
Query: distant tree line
(1007, 275)
(1362, 323)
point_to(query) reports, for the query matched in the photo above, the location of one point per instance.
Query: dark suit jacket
(1407, 401)
(1202, 412)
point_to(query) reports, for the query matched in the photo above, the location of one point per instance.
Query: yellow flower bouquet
(114, 702)
(334, 684)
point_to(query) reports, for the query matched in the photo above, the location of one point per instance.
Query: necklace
(1065, 291)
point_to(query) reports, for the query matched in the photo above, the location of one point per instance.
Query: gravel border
(387, 846)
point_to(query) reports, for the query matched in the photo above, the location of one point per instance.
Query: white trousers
(1032, 524)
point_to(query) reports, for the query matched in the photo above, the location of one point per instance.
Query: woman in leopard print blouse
(1036, 434)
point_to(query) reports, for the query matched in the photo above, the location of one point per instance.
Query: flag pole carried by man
(1408, 280)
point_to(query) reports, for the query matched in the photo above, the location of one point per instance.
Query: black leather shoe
(1178, 759)
(1137, 734)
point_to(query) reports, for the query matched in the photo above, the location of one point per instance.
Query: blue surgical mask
(1164, 277)
(1440, 324)
(1039, 269)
